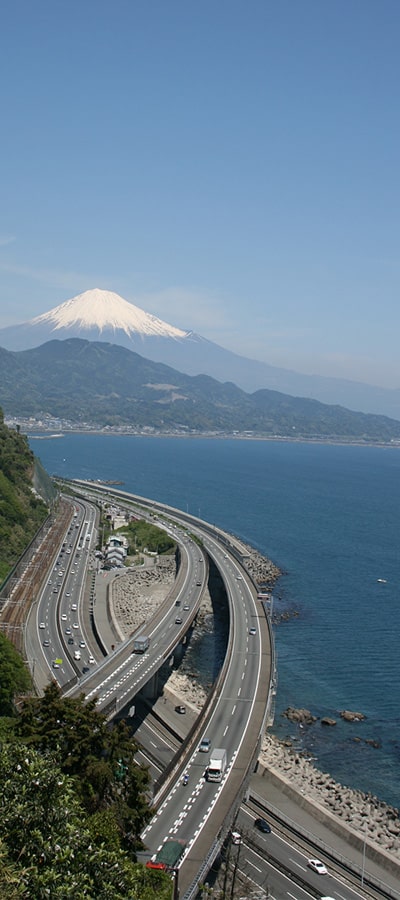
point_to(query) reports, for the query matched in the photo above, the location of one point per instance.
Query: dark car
(263, 826)
(181, 710)
(86, 669)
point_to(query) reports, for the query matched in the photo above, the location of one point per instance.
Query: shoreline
(339, 441)
(138, 592)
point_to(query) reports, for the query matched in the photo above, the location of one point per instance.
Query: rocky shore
(363, 813)
(135, 596)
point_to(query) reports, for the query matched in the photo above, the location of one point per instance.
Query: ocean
(329, 517)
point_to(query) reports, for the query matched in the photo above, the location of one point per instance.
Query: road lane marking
(249, 863)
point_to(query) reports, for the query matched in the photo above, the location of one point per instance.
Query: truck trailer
(168, 857)
(217, 765)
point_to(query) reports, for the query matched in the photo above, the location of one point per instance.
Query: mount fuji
(98, 315)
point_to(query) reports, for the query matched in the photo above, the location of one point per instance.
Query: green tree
(14, 676)
(90, 752)
(44, 831)
(21, 510)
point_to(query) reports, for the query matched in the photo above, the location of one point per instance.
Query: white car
(75, 625)
(42, 625)
(317, 866)
(92, 660)
(82, 644)
(74, 607)
(236, 837)
(64, 617)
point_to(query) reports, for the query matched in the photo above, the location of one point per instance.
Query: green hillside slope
(21, 509)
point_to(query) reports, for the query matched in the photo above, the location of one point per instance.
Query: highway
(235, 719)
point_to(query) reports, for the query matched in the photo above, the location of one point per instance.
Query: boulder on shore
(328, 721)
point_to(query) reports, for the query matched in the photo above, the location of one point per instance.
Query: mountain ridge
(108, 386)
(103, 315)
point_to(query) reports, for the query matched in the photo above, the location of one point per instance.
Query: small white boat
(381, 580)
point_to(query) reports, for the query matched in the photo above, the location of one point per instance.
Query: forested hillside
(21, 510)
(104, 386)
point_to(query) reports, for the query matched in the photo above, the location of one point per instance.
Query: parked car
(236, 837)
(180, 709)
(317, 866)
(263, 826)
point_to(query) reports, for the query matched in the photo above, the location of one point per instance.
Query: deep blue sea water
(329, 517)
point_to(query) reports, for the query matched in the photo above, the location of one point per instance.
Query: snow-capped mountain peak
(105, 311)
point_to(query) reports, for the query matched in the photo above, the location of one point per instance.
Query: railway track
(30, 572)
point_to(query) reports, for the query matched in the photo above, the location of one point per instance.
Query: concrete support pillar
(150, 690)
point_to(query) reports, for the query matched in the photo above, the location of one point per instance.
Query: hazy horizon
(230, 169)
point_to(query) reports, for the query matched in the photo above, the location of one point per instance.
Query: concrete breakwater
(364, 814)
(135, 596)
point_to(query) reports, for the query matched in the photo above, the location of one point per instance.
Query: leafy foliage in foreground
(21, 510)
(46, 839)
(93, 754)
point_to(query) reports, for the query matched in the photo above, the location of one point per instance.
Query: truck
(217, 764)
(141, 644)
(168, 856)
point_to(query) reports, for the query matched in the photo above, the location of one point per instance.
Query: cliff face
(22, 510)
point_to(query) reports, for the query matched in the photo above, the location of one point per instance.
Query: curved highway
(236, 719)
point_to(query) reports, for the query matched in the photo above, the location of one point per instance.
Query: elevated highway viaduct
(237, 709)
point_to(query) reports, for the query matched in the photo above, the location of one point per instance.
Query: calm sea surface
(329, 517)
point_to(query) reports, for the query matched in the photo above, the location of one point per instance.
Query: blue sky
(232, 167)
